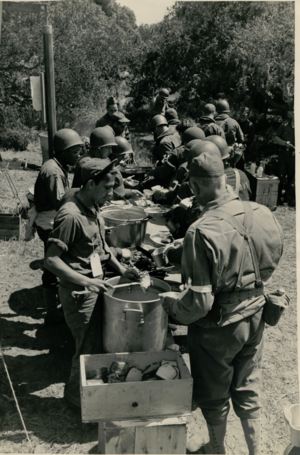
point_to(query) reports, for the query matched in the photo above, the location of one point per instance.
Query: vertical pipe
(50, 85)
(1, 3)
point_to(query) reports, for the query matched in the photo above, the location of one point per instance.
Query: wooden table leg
(101, 441)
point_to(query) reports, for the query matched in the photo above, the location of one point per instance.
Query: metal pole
(50, 85)
(0, 19)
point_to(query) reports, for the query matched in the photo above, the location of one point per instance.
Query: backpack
(206, 126)
(229, 134)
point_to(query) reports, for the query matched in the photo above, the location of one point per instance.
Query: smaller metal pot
(159, 257)
(126, 228)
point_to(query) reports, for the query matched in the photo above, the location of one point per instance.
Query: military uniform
(79, 232)
(286, 158)
(225, 334)
(165, 152)
(210, 127)
(232, 129)
(106, 120)
(51, 185)
(239, 182)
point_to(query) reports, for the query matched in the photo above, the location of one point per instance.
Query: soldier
(236, 178)
(120, 125)
(78, 254)
(160, 103)
(285, 138)
(172, 119)
(112, 106)
(51, 185)
(102, 140)
(207, 122)
(225, 273)
(232, 129)
(164, 151)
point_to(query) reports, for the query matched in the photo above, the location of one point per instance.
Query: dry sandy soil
(39, 358)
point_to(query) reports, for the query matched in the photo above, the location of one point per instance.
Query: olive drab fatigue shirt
(165, 152)
(79, 232)
(232, 129)
(212, 253)
(51, 185)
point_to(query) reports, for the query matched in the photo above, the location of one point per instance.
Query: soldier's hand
(136, 194)
(131, 273)
(98, 285)
(168, 301)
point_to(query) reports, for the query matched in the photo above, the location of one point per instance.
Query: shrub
(17, 138)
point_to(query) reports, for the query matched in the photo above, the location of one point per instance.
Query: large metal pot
(138, 171)
(125, 227)
(132, 320)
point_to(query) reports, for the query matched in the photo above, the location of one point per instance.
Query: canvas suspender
(245, 231)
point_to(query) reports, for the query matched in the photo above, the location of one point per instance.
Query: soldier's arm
(239, 134)
(198, 300)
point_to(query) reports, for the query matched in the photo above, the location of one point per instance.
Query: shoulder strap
(245, 231)
(237, 181)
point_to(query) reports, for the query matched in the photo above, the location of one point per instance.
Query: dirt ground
(38, 358)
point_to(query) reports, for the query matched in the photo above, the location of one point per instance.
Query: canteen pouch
(276, 302)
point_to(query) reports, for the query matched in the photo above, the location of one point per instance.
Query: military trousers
(83, 316)
(226, 364)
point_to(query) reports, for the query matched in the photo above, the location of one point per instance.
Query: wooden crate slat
(140, 437)
(135, 399)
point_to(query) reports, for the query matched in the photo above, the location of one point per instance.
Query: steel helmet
(203, 147)
(164, 93)
(102, 137)
(65, 138)
(123, 146)
(193, 133)
(190, 144)
(221, 144)
(158, 120)
(222, 106)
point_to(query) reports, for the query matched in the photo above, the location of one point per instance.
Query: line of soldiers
(224, 295)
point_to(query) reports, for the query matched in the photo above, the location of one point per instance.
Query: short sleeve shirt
(79, 232)
(51, 185)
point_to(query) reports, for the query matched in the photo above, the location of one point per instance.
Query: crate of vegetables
(134, 385)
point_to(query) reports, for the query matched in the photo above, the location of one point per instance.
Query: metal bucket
(132, 320)
(126, 228)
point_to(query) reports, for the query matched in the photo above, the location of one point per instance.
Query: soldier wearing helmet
(102, 140)
(233, 131)
(164, 151)
(236, 178)
(160, 102)
(188, 136)
(123, 187)
(51, 185)
(207, 122)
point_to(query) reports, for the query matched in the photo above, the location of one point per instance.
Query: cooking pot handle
(133, 310)
(111, 228)
(147, 218)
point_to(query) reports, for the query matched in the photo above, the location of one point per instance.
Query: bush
(17, 138)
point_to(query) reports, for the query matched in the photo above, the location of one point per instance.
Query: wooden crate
(143, 436)
(264, 190)
(10, 226)
(133, 400)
